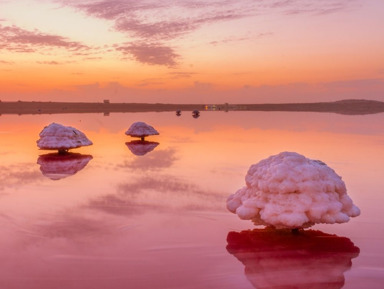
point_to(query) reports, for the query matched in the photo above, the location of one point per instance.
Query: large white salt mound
(289, 190)
(141, 129)
(59, 137)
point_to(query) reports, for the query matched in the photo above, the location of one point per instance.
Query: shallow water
(108, 218)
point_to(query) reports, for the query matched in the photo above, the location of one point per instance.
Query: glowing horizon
(191, 51)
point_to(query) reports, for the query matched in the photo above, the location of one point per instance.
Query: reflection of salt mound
(290, 191)
(59, 166)
(140, 147)
(276, 259)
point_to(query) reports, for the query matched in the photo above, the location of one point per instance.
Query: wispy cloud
(112, 9)
(160, 22)
(53, 62)
(240, 39)
(173, 75)
(16, 39)
(171, 28)
(150, 53)
(6, 62)
(294, 7)
(181, 74)
(159, 30)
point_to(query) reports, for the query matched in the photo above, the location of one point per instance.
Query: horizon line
(347, 106)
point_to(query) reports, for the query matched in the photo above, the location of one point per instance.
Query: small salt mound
(289, 190)
(141, 129)
(59, 137)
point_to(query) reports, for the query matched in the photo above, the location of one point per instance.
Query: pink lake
(108, 218)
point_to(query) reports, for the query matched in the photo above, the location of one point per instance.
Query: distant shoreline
(350, 107)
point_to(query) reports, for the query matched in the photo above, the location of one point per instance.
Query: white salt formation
(289, 190)
(141, 129)
(62, 138)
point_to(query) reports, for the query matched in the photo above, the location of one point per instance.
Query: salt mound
(62, 138)
(289, 190)
(141, 129)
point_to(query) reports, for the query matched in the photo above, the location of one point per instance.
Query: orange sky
(191, 51)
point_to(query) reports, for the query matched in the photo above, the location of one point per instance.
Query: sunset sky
(191, 51)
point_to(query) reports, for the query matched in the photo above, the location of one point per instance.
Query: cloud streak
(150, 53)
(6, 62)
(171, 29)
(295, 7)
(154, 27)
(53, 62)
(154, 24)
(16, 39)
(112, 9)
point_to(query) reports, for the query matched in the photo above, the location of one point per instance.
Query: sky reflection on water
(159, 219)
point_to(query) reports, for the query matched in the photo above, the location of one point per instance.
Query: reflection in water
(158, 160)
(279, 259)
(157, 193)
(17, 174)
(141, 147)
(58, 166)
(195, 113)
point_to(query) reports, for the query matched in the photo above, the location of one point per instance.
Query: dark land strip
(350, 107)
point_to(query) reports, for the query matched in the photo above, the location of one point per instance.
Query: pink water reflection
(282, 259)
(141, 147)
(57, 166)
(159, 219)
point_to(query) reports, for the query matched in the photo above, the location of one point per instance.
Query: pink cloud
(156, 21)
(153, 21)
(158, 30)
(49, 62)
(239, 39)
(150, 53)
(16, 39)
(170, 29)
(128, 18)
(112, 9)
(294, 7)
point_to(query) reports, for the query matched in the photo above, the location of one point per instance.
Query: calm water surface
(126, 215)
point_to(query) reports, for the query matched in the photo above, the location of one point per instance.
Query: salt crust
(141, 129)
(289, 190)
(59, 137)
